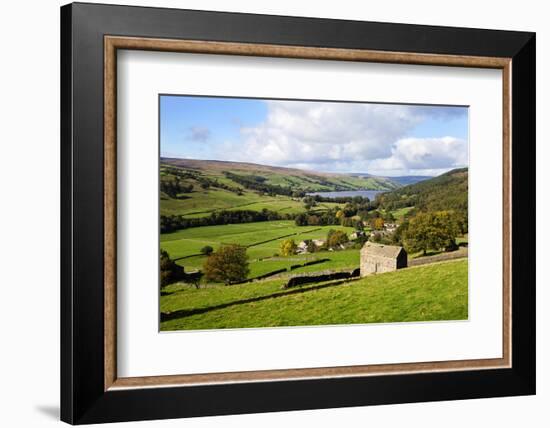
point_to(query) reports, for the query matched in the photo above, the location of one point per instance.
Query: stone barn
(378, 258)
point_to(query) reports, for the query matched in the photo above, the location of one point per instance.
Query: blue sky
(381, 139)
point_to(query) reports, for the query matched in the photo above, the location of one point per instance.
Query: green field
(426, 293)
(400, 213)
(184, 245)
(201, 203)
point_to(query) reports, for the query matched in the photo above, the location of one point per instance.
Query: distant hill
(296, 179)
(405, 180)
(448, 191)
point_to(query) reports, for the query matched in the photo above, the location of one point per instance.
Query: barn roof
(389, 251)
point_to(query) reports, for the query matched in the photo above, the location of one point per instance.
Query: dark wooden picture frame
(90, 37)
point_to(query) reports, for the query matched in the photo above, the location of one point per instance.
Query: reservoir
(371, 194)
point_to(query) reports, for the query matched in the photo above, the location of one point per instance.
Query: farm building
(301, 247)
(377, 258)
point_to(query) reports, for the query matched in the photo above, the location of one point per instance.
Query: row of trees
(171, 223)
(343, 217)
(358, 200)
(324, 218)
(332, 216)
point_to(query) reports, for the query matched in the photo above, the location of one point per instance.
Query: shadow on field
(188, 312)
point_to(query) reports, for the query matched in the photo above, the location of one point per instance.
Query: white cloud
(317, 133)
(344, 137)
(437, 154)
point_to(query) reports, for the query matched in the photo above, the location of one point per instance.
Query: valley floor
(263, 240)
(434, 288)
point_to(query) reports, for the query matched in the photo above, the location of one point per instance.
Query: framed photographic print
(266, 213)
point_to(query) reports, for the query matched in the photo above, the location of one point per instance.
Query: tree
(311, 247)
(374, 214)
(169, 271)
(400, 232)
(357, 223)
(433, 230)
(194, 278)
(301, 219)
(288, 247)
(377, 223)
(346, 221)
(207, 250)
(313, 220)
(336, 238)
(228, 265)
(309, 202)
(389, 217)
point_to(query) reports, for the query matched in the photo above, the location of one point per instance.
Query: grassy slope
(202, 202)
(426, 293)
(448, 191)
(399, 213)
(286, 176)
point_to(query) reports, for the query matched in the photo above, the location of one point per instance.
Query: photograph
(282, 213)
(265, 213)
